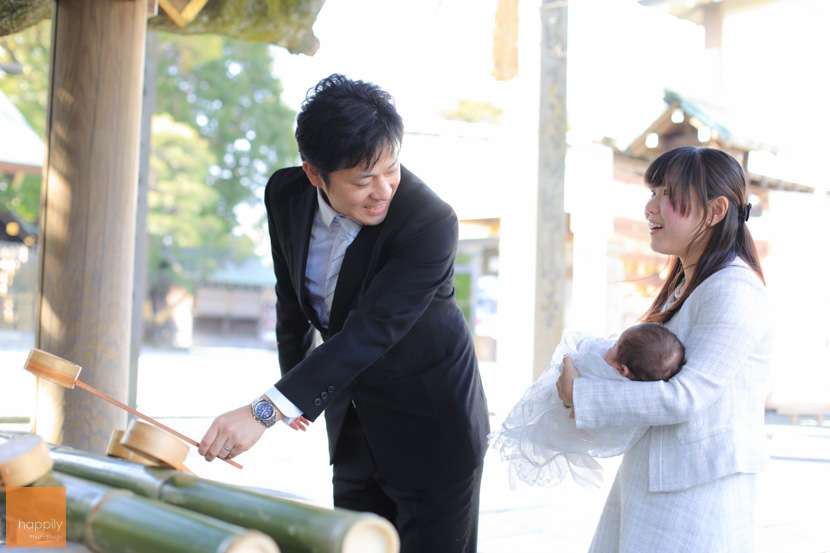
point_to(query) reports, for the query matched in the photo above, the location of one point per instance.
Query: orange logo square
(35, 517)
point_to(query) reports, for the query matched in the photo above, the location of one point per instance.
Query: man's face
(362, 193)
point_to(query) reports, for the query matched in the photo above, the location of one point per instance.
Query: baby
(540, 439)
(646, 351)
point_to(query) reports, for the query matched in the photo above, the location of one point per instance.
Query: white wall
(796, 272)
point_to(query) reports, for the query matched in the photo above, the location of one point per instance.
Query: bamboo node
(251, 541)
(89, 525)
(371, 535)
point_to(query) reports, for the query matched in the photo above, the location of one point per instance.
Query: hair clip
(747, 209)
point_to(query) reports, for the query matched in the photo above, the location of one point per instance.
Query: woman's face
(671, 232)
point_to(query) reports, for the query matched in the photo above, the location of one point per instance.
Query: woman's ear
(717, 210)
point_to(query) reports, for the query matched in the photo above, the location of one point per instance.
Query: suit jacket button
(324, 395)
(318, 402)
(331, 389)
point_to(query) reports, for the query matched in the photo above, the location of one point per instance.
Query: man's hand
(300, 423)
(232, 434)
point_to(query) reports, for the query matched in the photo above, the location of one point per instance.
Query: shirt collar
(327, 213)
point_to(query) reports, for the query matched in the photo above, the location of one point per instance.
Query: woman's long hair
(702, 174)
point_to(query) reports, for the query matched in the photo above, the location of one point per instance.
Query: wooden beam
(88, 209)
(182, 12)
(286, 23)
(506, 40)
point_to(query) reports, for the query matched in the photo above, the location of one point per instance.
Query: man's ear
(314, 175)
(623, 370)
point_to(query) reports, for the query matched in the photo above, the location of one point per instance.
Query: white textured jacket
(707, 421)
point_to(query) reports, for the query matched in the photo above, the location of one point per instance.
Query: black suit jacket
(397, 345)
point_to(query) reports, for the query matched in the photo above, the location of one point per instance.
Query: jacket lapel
(302, 211)
(352, 274)
(356, 263)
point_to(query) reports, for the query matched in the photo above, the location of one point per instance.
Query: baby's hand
(300, 423)
(565, 384)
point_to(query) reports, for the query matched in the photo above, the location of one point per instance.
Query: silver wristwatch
(264, 411)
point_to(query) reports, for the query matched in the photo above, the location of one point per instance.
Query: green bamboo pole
(296, 527)
(108, 520)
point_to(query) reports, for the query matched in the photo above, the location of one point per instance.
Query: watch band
(264, 411)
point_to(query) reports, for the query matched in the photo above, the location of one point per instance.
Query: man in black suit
(396, 373)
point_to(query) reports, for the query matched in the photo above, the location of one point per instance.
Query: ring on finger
(226, 449)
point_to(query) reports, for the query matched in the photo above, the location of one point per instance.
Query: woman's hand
(231, 434)
(565, 384)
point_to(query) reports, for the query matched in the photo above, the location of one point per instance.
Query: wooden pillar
(551, 228)
(88, 210)
(506, 40)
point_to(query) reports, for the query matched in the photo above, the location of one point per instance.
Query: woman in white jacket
(689, 484)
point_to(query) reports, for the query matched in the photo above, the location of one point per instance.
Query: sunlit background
(747, 76)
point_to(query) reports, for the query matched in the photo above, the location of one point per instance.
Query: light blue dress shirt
(323, 238)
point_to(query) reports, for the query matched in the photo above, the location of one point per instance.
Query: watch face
(264, 410)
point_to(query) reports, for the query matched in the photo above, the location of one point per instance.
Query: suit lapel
(302, 211)
(359, 255)
(352, 273)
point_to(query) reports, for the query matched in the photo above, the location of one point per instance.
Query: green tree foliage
(27, 91)
(222, 130)
(224, 88)
(184, 232)
(219, 131)
(471, 111)
(20, 194)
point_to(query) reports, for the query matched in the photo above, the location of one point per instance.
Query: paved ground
(187, 389)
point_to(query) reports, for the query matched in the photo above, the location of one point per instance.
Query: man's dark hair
(345, 123)
(651, 352)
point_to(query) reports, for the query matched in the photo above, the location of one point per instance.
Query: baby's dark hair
(651, 352)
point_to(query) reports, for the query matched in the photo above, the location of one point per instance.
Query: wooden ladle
(155, 444)
(23, 460)
(115, 449)
(64, 373)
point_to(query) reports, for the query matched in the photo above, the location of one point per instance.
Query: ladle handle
(145, 417)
